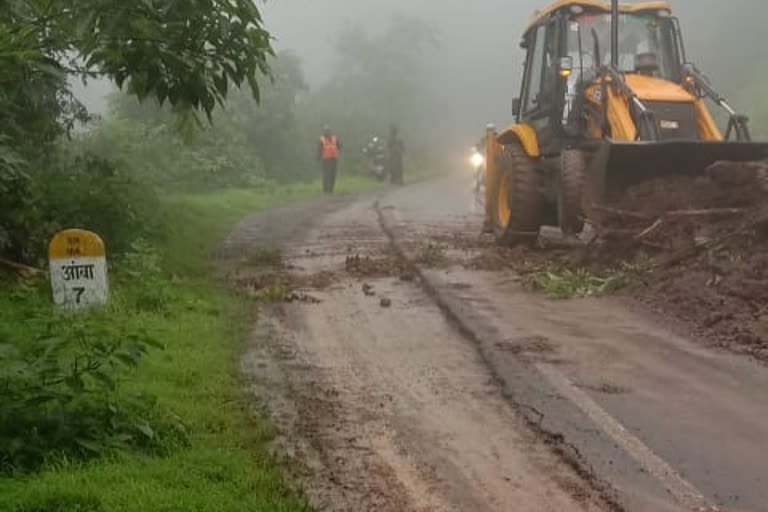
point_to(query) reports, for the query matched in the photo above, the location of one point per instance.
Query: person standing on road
(328, 153)
(395, 149)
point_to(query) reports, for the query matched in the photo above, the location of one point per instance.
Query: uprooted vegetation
(387, 265)
(706, 243)
(719, 279)
(268, 280)
(691, 248)
(562, 282)
(264, 258)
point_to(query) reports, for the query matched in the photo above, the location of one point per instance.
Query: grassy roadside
(212, 214)
(225, 466)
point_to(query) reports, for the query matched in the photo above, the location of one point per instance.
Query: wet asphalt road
(648, 416)
(696, 420)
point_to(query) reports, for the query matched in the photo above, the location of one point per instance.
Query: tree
(269, 129)
(385, 73)
(183, 51)
(245, 144)
(380, 79)
(189, 53)
(186, 52)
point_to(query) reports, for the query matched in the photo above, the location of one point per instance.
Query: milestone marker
(78, 267)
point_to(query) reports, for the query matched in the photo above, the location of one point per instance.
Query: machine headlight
(477, 160)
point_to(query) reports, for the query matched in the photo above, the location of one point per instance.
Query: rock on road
(439, 388)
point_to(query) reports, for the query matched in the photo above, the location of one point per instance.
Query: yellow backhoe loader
(608, 99)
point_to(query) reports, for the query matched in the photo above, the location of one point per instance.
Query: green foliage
(275, 290)
(158, 156)
(226, 464)
(90, 192)
(75, 189)
(140, 272)
(187, 53)
(268, 133)
(60, 395)
(13, 185)
(181, 51)
(565, 283)
(247, 145)
(64, 501)
(36, 105)
(216, 212)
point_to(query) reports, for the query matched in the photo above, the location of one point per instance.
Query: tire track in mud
(389, 408)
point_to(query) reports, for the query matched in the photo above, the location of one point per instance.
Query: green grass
(226, 466)
(214, 213)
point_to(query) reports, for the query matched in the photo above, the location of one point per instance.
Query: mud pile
(387, 265)
(708, 237)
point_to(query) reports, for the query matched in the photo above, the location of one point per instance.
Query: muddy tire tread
(571, 191)
(524, 198)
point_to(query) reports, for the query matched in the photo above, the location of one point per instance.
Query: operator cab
(648, 42)
(569, 47)
(608, 100)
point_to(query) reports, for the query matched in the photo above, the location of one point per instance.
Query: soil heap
(708, 237)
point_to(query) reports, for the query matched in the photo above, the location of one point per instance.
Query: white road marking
(682, 490)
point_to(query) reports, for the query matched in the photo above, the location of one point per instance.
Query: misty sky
(477, 67)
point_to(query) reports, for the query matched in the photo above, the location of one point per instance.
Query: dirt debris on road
(692, 249)
(384, 265)
(382, 403)
(708, 238)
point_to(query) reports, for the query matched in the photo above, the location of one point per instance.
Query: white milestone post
(78, 267)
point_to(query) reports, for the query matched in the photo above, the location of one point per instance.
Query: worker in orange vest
(328, 153)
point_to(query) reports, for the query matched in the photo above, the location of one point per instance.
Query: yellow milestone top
(76, 243)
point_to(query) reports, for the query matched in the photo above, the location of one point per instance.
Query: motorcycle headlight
(477, 160)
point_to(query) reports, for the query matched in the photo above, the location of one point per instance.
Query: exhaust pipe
(615, 34)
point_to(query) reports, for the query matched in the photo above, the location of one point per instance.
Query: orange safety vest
(330, 148)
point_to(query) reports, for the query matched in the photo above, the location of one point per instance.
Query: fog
(475, 70)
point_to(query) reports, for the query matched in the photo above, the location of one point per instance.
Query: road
(402, 379)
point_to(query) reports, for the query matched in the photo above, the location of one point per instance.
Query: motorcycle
(376, 157)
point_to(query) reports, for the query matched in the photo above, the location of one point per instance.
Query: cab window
(535, 68)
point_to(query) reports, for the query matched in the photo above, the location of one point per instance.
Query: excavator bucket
(617, 166)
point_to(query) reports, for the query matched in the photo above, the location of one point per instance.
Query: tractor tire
(570, 191)
(517, 200)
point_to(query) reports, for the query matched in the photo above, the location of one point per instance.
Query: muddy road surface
(403, 376)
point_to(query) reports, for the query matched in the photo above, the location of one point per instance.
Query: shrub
(69, 189)
(167, 154)
(89, 192)
(60, 393)
(140, 275)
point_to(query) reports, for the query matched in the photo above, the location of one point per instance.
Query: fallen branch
(696, 249)
(650, 229)
(705, 213)
(620, 213)
(640, 234)
(20, 268)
